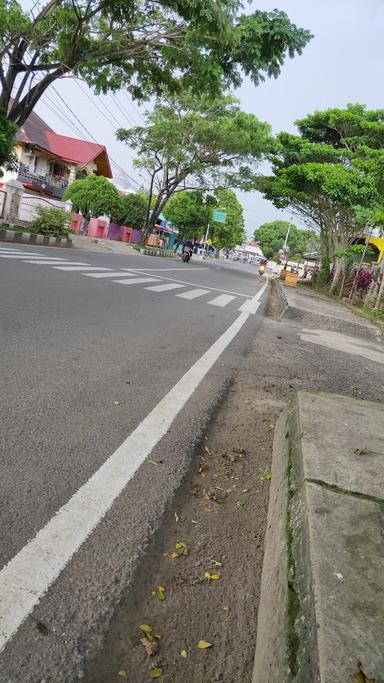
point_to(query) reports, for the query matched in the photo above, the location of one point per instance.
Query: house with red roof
(47, 162)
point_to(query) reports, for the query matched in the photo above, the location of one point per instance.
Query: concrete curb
(157, 252)
(329, 321)
(322, 593)
(21, 237)
(283, 301)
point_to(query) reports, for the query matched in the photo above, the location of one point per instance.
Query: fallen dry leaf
(181, 548)
(155, 673)
(116, 403)
(122, 674)
(153, 462)
(210, 494)
(184, 654)
(207, 450)
(145, 628)
(360, 451)
(360, 676)
(150, 647)
(159, 593)
(216, 563)
(194, 521)
(209, 509)
(239, 451)
(203, 645)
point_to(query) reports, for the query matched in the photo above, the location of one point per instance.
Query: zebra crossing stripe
(221, 300)
(136, 281)
(193, 293)
(164, 288)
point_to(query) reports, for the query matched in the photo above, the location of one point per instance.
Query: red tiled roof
(36, 132)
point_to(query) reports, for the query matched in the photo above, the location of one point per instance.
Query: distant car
(272, 267)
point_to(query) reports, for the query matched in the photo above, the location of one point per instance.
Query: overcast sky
(342, 64)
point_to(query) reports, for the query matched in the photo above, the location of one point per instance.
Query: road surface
(107, 360)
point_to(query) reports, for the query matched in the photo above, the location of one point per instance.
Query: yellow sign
(209, 242)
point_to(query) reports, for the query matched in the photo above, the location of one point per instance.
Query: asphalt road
(84, 361)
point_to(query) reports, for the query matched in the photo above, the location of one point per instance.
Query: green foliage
(198, 143)
(7, 142)
(272, 236)
(227, 235)
(50, 221)
(332, 173)
(145, 47)
(131, 210)
(190, 212)
(94, 196)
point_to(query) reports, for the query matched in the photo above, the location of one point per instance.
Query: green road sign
(219, 216)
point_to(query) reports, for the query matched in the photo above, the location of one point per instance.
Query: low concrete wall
(322, 600)
(32, 238)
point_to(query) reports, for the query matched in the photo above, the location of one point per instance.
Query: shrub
(50, 221)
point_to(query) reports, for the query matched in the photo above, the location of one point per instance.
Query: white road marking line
(196, 284)
(221, 300)
(147, 270)
(27, 577)
(39, 259)
(136, 281)
(61, 263)
(20, 255)
(117, 273)
(165, 288)
(78, 267)
(193, 293)
(15, 251)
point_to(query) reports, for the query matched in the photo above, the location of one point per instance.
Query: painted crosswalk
(193, 293)
(222, 300)
(136, 281)
(153, 280)
(164, 288)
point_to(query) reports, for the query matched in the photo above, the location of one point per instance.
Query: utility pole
(287, 235)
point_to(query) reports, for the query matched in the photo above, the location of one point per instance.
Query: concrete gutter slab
(342, 442)
(322, 599)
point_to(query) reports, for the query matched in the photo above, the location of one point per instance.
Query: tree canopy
(227, 235)
(329, 172)
(197, 143)
(272, 237)
(131, 210)
(192, 212)
(144, 46)
(94, 196)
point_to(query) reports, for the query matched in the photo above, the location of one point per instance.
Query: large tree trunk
(338, 267)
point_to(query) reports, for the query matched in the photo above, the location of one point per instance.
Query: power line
(71, 124)
(93, 100)
(131, 123)
(73, 114)
(134, 107)
(99, 109)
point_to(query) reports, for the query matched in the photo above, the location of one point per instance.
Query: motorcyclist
(189, 244)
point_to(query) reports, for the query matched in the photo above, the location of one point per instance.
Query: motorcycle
(262, 268)
(187, 254)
